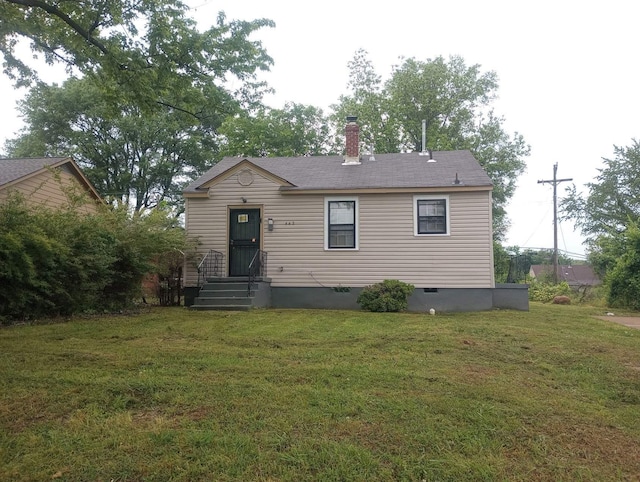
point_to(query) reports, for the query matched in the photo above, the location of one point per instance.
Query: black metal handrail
(210, 266)
(257, 268)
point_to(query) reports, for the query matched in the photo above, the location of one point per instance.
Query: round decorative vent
(245, 177)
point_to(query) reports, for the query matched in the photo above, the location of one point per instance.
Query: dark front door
(244, 239)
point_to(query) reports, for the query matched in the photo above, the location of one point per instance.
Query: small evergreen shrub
(390, 295)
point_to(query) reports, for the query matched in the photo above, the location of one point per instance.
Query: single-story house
(46, 181)
(330, 225)
(577, 275)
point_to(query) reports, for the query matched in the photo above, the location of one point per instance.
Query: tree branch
(49, 49)
(171, 106)
(55, 11)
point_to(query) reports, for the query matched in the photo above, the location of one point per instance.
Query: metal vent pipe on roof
(423, 151)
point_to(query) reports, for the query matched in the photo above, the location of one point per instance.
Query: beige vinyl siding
(388, 247)
(44, 189)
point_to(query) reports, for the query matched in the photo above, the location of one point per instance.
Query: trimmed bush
(390, 295)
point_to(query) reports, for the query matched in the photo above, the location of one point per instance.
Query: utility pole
(555, 183)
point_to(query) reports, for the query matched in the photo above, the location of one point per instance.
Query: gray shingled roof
(15, 168)
(577, 274)
(404, 170)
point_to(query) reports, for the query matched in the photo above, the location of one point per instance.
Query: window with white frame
(431, 215)
(341, 223)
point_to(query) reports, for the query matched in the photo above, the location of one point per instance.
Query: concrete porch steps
(232, 294)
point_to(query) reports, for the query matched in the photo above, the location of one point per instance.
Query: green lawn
(552, 394)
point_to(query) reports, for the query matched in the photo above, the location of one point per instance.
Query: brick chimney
(352, 135)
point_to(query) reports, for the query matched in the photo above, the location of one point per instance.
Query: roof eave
(195, 194)
(383, 190)
(84, 180)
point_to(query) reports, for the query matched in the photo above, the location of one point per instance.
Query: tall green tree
(449, 95)
(455, 101)
(148, 94)
(612, 201)
(502, 157)
(367, 99)
(134, 158)
(152, 49)
(609, 216)
(295, 130)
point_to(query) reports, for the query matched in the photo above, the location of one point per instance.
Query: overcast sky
(568, 73)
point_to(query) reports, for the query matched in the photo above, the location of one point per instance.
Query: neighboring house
(46, 181)
(331, 225)
(577, 276)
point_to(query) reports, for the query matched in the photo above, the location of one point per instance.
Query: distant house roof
(17, 168)
(574, 275)
(323, 173)
(14, 170)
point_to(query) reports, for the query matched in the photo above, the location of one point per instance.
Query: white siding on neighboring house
(387, 247)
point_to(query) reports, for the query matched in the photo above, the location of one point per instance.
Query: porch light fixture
(244, 199)
(270, 224)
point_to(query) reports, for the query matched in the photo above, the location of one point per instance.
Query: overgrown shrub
(61, 262)
(545, 292)
(389, 295)
(592, 295)
(623, 278)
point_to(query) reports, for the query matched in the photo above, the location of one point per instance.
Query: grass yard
(552, 394)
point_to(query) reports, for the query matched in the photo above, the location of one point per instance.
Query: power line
(533, 232)
(568, 254)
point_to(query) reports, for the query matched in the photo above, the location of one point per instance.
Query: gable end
(244, 171)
